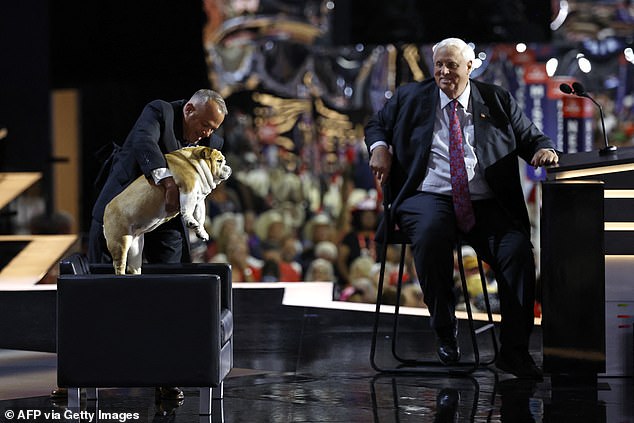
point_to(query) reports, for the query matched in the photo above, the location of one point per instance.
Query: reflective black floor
(301, 364)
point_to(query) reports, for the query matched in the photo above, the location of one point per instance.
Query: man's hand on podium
(545, 157)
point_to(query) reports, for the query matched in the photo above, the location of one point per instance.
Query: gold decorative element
(313, 118)
(392, 53)
(412, 57)
(282, 113)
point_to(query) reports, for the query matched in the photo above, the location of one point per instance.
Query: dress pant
(166, 244)
(428, 220)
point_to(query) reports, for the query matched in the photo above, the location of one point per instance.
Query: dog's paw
(203, 235)
(191, 223)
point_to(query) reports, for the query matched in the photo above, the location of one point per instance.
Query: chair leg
(490, 325)
(467, 300)
(206, 419)
(74, 396)
(377, 311)
(92, 394)
(205, 401)
(433, 367)
(218, 393)
(399, 289)
(211, 405)
(406, 365)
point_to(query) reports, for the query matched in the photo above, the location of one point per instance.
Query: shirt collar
(463, 98)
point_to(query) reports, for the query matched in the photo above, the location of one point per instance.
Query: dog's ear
(206, 153)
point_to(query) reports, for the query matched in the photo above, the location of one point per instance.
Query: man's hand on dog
(172, 202)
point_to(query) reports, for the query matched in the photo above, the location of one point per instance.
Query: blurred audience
(271, 229)
(221, 229)
(279, 260)
(474, 283)
(320, 270)
(224, 199)
(361, 286)
(244, 268)
(359, 241)
(320, 228)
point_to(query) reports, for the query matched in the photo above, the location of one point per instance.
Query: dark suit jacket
(159, 130)
(502, 132)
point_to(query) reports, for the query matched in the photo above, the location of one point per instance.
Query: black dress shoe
(171, 393)
(520, 364)
(166, 410)
(448, 350)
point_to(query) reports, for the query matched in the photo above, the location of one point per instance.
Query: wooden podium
(587, 263)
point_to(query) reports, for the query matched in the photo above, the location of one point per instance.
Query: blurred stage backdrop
(301, 78)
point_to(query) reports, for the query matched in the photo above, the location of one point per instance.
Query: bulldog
(140, 207)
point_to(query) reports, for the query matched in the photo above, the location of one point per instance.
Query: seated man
(449, 146)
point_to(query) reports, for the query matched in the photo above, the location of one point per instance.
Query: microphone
(579, 90)
(566, 89)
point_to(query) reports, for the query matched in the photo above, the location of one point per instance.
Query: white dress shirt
(160, 173)
(437, 177)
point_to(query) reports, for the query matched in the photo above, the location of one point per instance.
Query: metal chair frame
(396, 395)
(394, 236)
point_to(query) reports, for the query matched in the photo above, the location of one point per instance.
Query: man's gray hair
(465, 49)
(206, 95)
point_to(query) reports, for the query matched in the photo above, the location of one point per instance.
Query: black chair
(170, 326)
(388, 233)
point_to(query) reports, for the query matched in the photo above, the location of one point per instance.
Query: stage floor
(297, 363)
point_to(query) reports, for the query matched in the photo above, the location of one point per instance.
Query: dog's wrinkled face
(218, 165)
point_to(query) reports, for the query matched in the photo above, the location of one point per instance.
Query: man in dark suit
(453, 172)
(162, 127)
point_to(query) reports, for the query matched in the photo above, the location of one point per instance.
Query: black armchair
(170, 326)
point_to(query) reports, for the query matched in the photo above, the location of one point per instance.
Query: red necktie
(463, 208)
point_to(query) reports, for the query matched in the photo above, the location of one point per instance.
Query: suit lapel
(426, 117)
(482, 121)
(422, 123)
